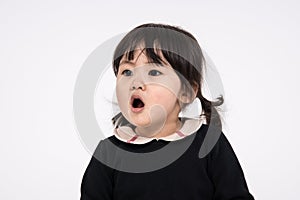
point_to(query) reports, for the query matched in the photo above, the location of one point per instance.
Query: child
(168, 141)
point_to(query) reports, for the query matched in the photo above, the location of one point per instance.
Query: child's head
(138, 65)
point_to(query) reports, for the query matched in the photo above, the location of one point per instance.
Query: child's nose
(137, 85)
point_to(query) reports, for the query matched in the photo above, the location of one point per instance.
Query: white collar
(189, 126)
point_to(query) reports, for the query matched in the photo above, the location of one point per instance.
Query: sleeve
(97, 182)
(226, 173)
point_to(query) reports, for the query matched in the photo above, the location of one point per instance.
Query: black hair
(181, 49)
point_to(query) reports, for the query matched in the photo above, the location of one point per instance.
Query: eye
(154, 72)
(126, 72)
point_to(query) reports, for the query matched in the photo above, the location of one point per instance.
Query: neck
(168, 129)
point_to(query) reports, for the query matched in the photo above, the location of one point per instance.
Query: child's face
(157, 87)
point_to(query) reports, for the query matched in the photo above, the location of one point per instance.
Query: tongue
(138, 103)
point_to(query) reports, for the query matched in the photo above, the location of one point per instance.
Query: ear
(184, 98)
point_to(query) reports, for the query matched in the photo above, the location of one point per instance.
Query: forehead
(138, 54)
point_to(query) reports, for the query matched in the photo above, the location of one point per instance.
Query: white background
(254, 45)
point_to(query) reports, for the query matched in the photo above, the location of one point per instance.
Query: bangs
(151, 53)
(157, 43)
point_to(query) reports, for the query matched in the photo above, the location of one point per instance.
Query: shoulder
(213, 144)
(209, 138)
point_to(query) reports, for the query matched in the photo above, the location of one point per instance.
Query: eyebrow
(132, 63)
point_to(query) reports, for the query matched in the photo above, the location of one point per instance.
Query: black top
(217, 176)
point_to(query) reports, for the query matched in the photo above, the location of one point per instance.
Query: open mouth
(137, 103)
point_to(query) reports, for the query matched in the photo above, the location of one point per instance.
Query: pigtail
(211, 110)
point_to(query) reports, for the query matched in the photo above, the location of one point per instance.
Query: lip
(136, 110)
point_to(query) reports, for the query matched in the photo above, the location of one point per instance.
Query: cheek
(122, 94)
(164, 97)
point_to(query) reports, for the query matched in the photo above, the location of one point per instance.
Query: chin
(139, 121)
